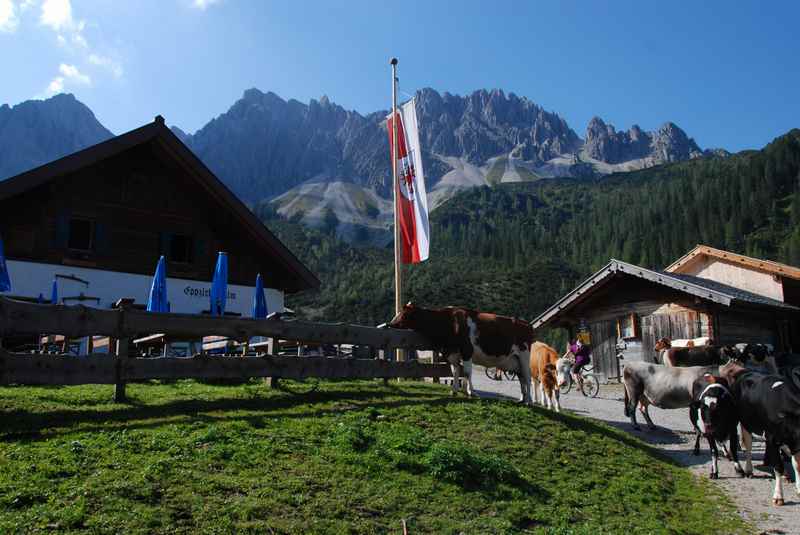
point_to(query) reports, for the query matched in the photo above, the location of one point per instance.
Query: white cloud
(8, 16)
(80, 40)
(56, 85)
(68, 75)
(57, 14)
(71, 73)
(204, 4)
(25, 4)
(114, 67)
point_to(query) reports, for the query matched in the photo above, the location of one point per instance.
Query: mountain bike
(496, 374)
(588, 384)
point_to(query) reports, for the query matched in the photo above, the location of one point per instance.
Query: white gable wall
(736, 275)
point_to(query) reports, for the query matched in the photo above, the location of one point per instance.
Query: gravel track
(675, 438)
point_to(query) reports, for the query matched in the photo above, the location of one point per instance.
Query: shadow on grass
(20, 425)
(615, 431)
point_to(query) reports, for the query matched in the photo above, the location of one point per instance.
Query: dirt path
(673, 437)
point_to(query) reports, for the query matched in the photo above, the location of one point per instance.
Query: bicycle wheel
(510, 375)
(565, 388)
(492, 373)
(590, 386)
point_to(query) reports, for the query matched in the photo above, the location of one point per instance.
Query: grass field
(354, 457)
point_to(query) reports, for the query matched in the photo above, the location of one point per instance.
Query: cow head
(663, 343)
(408, 318)
(728, 354)
(731, 371)
(563, 367)
(755, 352)
(716, 406)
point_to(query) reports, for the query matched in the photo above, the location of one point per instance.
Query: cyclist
(583, 356)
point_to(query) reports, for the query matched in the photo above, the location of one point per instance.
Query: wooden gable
(119, 210)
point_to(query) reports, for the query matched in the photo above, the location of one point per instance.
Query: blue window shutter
(102, 239)
(164, 241)
(200, 254)
(62, 230)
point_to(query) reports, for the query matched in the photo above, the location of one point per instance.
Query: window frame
(634, 326)
(189, 249)
(92, 234)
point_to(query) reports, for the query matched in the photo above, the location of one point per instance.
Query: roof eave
(618, 266)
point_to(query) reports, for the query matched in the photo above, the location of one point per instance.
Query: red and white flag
(412, 201)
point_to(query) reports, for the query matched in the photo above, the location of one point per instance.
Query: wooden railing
(124, 324)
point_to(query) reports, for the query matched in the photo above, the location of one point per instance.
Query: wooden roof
(682, 264)
(263, 241)
(705, 289)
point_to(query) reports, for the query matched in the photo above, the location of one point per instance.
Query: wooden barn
(707, 293)
(98, 220)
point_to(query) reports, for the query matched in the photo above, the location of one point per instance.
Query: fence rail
(124, 324)
(18, 317)
(20, 368)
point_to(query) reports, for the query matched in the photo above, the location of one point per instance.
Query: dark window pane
(81, 234)
(180, 249)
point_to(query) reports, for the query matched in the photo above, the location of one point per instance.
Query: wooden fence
(125, 324)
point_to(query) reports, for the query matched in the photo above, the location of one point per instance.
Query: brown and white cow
(465, 336)
(543, 375)
(707, 355)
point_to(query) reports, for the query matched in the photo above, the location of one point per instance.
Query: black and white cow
(768, 405)
(663, 386)
(714, 416)
(465, 336)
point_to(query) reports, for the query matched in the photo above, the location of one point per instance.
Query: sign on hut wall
(105, 287)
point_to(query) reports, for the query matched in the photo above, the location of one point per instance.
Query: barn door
(604, 352)
(648, 338)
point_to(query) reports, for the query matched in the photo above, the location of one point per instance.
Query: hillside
(355, 457)
(515, 248)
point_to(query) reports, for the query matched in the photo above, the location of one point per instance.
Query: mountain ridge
(265, 147)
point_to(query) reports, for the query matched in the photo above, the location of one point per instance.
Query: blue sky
(726, 72)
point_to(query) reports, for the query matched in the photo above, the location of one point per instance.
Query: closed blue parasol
(219, 285)
(157, 301)
(259, 301)
(5, 280)
(54, 292)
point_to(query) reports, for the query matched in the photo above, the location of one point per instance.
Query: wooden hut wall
(655, 320)
(756, 327)
(604, 351)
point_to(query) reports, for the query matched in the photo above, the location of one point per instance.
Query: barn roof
(705, 289)
(767, 266)
(263, 241)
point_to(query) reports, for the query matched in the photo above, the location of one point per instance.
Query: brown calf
(543, 373)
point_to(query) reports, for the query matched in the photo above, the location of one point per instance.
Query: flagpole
(398, 283)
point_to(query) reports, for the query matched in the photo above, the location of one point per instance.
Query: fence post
(122, 349)
(122, 355)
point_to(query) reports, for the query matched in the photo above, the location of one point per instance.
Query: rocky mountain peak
(667, 144)
(44, 130)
